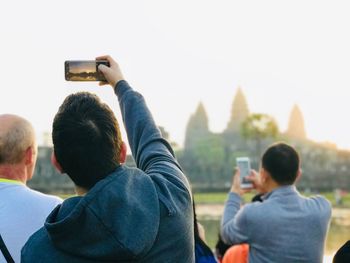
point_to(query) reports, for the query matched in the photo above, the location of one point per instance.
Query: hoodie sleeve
(151, 152)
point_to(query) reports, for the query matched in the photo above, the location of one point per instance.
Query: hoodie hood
(118, 219)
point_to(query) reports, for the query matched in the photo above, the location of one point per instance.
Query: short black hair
(282, 162)
(86, 139)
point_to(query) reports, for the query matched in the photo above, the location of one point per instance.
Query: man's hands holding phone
(113, 74)
(253, 177)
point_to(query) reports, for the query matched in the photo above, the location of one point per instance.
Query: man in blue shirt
(285, 226)
(22, 210)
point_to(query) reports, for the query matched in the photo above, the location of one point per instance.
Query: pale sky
(177, 53)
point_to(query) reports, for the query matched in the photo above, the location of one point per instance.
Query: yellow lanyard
(9, 181)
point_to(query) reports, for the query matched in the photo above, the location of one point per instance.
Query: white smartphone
(243, 164)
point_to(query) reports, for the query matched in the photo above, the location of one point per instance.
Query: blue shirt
(285, 227)
(22, 212)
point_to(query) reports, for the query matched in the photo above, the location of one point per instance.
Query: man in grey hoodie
(285, 227)
(121, 214)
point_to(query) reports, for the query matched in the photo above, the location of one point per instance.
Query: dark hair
(86, 138)
(282, 162)
(220, 248)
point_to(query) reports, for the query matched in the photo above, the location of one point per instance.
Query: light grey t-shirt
(286, 227)
(22, 212)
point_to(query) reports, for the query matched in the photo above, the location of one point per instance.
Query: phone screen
(84, 70)
(243, 163)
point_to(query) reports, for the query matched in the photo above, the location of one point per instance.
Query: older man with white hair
(22, 210)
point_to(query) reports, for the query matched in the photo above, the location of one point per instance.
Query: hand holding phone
(243, 164)
(113, 74)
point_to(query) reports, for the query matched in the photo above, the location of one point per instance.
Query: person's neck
(271, 187)
(15, 172)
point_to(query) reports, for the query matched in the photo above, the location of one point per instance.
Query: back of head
(86, 138)
(16, 135)
(282, 162)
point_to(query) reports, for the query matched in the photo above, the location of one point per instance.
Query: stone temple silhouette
(198, 128)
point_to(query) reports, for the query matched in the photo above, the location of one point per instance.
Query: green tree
(259, 127)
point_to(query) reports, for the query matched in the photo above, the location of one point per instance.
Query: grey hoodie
(139, 214)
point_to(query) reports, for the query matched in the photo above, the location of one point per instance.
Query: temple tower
(239, 112)
(197, 126)
(296, 126)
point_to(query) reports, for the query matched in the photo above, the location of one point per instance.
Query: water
(337, 236)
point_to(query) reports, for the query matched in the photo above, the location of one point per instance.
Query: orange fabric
(237, 254)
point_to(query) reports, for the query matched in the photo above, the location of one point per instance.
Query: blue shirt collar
(282, 190)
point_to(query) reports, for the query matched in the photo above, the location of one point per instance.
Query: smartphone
(243, 164)
(84, 70)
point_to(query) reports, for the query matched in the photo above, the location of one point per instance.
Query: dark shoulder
(35, 246)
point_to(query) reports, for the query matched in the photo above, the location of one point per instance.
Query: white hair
(15, 138)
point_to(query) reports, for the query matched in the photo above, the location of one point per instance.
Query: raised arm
(235, 228)
(151, 152)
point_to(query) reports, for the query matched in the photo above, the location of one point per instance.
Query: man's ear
(29, 156)
(55, 163)
(122, 155)
(262, 174)
(265, 176)
(300, 172)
